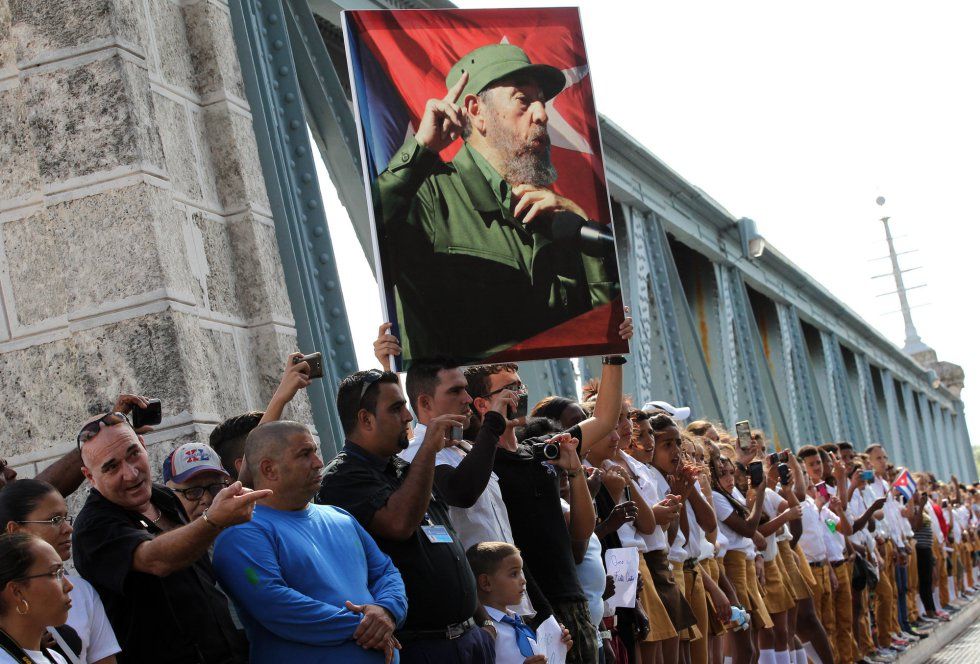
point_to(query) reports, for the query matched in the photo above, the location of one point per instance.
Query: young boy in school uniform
(499, 573)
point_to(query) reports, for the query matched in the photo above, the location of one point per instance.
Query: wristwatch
(615, 360)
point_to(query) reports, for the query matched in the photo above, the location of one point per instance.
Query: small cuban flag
(904, 484)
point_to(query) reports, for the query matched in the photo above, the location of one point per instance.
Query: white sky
(799, 117)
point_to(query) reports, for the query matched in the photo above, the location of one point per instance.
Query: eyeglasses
(516, 387)
(197, 492)
(92, 429)
(55, 521)
(370, 378)
(57, 575)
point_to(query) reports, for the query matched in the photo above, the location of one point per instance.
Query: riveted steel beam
(929, 429)
(913, 428)
(898, 444)
(942, 445)
(330, 117)
(963, 440)
(275, 97)
(870, 417)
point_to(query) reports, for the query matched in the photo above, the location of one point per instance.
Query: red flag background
(416, 49)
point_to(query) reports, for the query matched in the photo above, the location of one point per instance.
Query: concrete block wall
(137, 248)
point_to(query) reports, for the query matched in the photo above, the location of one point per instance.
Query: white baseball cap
(677, 412)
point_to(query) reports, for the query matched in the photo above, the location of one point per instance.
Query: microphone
(592, 238)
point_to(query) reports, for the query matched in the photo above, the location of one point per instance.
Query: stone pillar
(137, 248)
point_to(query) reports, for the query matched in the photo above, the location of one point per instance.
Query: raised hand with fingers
(233, 505)
(442, 120)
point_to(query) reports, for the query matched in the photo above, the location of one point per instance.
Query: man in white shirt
(439, 388)
(892, 544)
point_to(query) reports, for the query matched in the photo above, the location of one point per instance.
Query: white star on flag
(561, 133)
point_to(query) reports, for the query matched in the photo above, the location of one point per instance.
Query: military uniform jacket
(469, 279)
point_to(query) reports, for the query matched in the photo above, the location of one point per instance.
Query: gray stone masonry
(137, 249)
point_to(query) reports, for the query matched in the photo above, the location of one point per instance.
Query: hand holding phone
(743, 434)
(149, 416)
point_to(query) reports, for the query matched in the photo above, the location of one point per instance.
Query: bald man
(134, 543)
(309, 582)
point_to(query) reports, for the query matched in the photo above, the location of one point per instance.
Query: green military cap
(496, 61)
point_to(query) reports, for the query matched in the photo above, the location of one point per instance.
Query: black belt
(838, 563)
(690, 563)
(819, 563)
(448, 633)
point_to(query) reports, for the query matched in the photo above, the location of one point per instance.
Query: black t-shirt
(182, 617)
(439, 584)
(530, 491)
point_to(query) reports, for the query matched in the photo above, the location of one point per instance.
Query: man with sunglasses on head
(408, 517)
(134, 543)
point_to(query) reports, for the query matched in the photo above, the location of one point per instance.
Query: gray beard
(522, 164)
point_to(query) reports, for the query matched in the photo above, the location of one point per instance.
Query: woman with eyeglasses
(34, 593)
(37, 508)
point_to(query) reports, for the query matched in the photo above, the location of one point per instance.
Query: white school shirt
(811, 541)
(506, 648)
(856, 508)
(628, 535)
(647, 483)
(892, 509)
(720, 538)
(676, 553)
(87, 617)
(770, 505)
(723, 510)
(486, 520)
(697, 545)
(834, 541)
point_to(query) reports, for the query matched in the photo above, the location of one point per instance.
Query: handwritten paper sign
(624, 566)
(548, 641)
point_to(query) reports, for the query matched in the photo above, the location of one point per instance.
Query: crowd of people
(454, 527)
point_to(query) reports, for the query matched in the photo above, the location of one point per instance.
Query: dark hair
(423, 378)
(16, 557)
(661, 421)
(699, 427)
(713, 462)
(551, 407)
(20, 498)
(536, 427)
(228, 438)
(349, 399)
(844, 445)
(807, 451)
(478, 377)
(485, 557)
(830, 447)
(637, 415)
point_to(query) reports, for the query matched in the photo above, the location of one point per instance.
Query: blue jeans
(901, 588)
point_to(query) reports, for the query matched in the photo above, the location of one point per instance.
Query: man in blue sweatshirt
(309, 582)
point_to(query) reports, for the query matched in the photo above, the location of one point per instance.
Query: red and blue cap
(191, 459)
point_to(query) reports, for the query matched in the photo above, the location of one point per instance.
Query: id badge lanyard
(436, 534)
